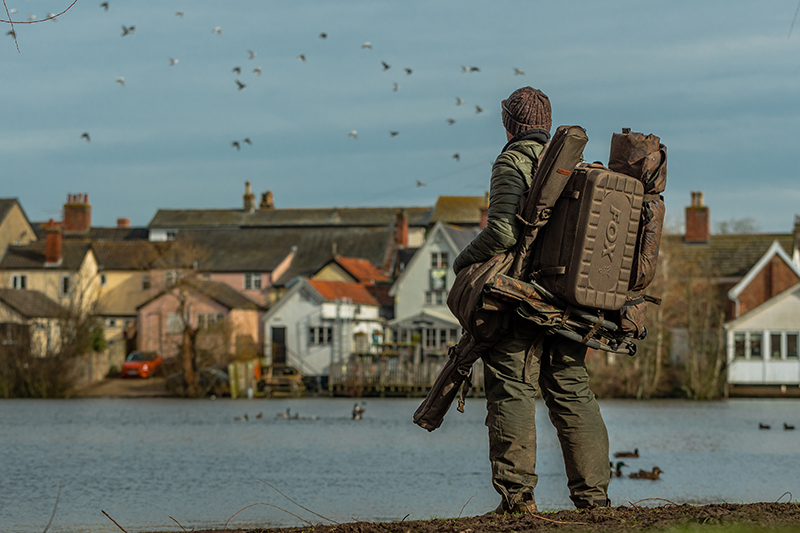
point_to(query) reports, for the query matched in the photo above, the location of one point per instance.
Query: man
(526, 361)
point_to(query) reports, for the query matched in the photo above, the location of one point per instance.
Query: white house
(318, 323)
(762, 342)
(420, 293)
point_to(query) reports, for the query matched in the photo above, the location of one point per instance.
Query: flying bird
(257, 70)
(12, 33)
(127, 30)
(237, 70)
(323, 35)
(386, 66)
(408, 71)
(31, 16)
(52, 16)
(353, 134)
(12, 10)
(478, 109)
(459, 101)
(104, 5)
(247, 141)
(469, 69)
(121, 81)
(366, 45)
(240, 85)
(236, 145)
(457, 157)
(518, 72)
(421, 183)
(251, 54)
(396, 87)
(451, 121)
(86, 136)
(172, 61)
(179, 14)
(302, 57)
(394, 133)
(217, 30)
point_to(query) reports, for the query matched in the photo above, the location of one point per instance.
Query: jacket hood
(536, 135)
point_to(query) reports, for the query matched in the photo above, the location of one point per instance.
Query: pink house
(228, 320)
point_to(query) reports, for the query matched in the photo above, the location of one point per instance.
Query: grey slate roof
(309, 217)
(315, 247)
(100, 234)
(128, 255)
(31, 304)
(31, 256)
(461, 237)
(240, 250)
(725, 256)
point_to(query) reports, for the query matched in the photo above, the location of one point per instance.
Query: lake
(143, 461)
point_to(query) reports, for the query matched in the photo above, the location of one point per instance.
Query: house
(65, 271)
(318, 323)
(420, 293)
(30, 320)
(228, 321)
(466, 212)
(15, 228)
(762, 349)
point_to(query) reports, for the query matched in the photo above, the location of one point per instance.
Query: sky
(718, 81)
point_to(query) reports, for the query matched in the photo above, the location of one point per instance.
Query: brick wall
(774, 278)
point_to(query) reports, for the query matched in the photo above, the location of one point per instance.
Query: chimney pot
(77, 214)
(698, 220)
(52, 246)
(401, 228)
(249, 198)
(123, 223)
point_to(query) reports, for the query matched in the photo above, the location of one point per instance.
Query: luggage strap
(550, 271)
(597, 325)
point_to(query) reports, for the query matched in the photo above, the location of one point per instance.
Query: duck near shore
(634, 453)
(644, 474)
(615, 470)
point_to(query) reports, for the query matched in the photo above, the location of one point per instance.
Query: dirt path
(125, 388)
(761, 517)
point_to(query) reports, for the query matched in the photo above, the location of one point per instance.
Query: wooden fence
(403, 372)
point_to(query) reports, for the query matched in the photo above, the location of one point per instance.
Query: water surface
(144, 460)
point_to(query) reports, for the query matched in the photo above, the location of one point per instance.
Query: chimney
(249, 198)
(698, 220)
(123, 223)
(401, 229)
(485, 210)
(77, 214)
(52, 245)
(266, 201)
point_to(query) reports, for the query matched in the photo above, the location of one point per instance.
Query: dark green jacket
(511, 177)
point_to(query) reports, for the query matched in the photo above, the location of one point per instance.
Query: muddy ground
(772, 517)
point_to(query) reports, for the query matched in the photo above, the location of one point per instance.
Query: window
(174, 323)
(739, 341)
(430, 338)
(775, 346)
(111, 322)
(171, 234)
(320, 335)
(435, 297)
(252, 282)
(755, 345)
(207, 320)
(453, 339)
(439, 260)
(791, 345)
(145, 281)
(171, 277)
(64, 285)
(103, 280)
(19, 281)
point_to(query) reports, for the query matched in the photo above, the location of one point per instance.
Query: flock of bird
(129, 30)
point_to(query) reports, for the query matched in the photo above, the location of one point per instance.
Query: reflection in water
(143, 461)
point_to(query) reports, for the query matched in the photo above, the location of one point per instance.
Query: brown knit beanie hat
(525, 109)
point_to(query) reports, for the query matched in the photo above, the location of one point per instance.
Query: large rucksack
(588, 250)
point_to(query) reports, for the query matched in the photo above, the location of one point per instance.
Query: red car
(141, 364)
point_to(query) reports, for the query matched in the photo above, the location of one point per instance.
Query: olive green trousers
(518, 367)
